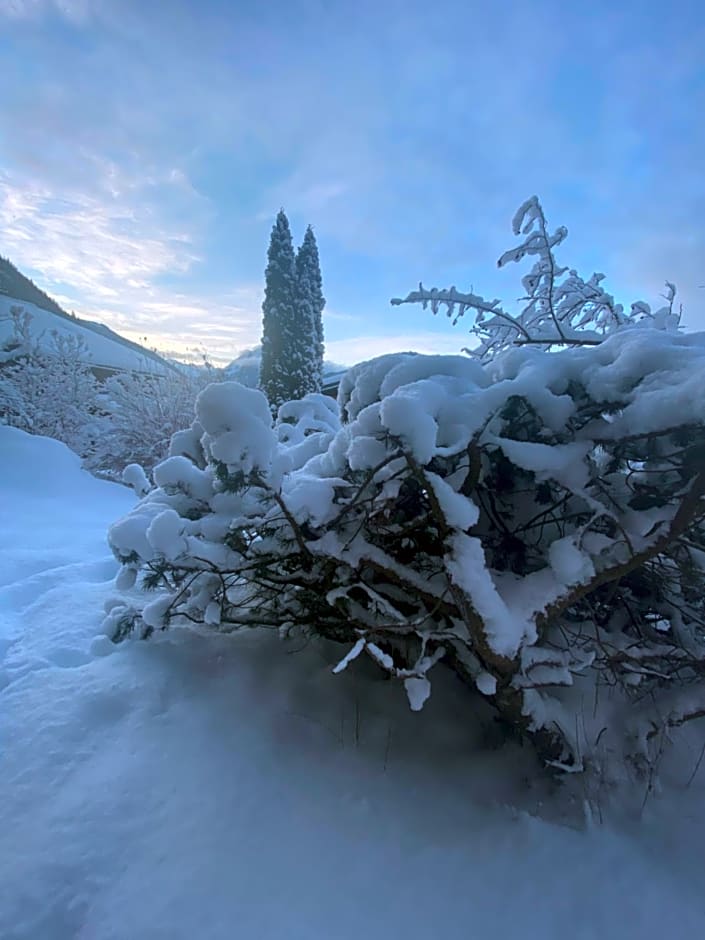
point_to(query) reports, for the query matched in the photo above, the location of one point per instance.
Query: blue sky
(145, 148)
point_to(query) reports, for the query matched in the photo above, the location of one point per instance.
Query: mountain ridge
(18, 288)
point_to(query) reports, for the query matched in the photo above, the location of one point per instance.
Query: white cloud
(184, 325)
(404, 154)
(82, 240)
(109, 253)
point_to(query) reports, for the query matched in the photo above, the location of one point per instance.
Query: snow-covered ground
(210, 788)
(104, 350)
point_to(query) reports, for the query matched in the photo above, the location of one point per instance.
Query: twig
(697, 766)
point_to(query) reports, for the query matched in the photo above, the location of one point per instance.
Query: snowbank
(218, 787)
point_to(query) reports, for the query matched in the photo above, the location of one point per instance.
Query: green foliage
(311, 301)
(292, 329)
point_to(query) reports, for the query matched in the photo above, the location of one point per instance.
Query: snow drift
(219, 786)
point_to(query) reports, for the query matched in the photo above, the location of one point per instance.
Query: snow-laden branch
(560, 307)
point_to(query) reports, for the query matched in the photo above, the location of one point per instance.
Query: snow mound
(151, 790)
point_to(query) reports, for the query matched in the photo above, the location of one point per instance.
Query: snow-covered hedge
(535, 522)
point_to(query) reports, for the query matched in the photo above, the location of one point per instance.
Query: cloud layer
(145, 149)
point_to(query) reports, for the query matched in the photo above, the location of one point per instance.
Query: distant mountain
(109, 351)
(245, 369)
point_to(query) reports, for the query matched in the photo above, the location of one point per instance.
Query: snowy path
(216, 788)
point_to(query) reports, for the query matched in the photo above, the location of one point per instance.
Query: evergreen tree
(278, 310)
(311, 300)
(287, 369)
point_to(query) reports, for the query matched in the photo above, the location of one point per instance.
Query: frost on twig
(560, 307)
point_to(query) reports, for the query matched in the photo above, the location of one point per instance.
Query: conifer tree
(279, 313)
(311, 299)
(289, 341)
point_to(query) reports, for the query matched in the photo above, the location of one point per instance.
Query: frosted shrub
(533, 522)
(48, 388)
(142, 413)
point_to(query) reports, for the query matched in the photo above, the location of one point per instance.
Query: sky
(146, 147)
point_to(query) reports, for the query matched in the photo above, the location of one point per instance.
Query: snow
(134, 476)
(418, 690)
(166, 534)
(238, 426)
(129, 533)
(104, 351)
(154, 613)
(353, 653)
(459, 512)
(433, 404)
(486, 683)
(205, 787)
(310, 498)
(507, 626)
(178, 474)
(561, 462)
(570, 565)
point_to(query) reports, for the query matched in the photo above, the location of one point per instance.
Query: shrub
(48, 388)
(534, 522)
(142, 412)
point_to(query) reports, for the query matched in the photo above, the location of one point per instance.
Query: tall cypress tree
(279, 314)
(311, 301)
(292, 339)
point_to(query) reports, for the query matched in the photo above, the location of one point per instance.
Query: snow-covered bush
(534, 522)
(143, 412)
(48, 389)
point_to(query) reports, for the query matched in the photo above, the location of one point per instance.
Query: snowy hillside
(212, 787)
(108, 350)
